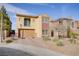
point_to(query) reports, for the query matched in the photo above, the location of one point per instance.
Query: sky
(54, 10)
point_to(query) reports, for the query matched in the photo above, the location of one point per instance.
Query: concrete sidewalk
(33, 50)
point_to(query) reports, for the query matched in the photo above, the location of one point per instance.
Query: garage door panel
(27, 33)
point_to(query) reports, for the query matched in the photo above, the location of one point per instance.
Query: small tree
(4, 20)
(68, 32)
(73, 36)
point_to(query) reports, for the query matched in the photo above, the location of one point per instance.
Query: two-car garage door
(24, 33)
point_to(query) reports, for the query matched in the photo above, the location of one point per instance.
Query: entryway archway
(52, 33)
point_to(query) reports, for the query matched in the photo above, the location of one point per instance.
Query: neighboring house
(32, 26)
(75, 27)
(53, 26)
(76, 24)
(59, 27)
(42, 26)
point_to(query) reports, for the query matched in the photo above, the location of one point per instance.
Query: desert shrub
(55, 40)
(46, 38)
(9, 41)
(73, 34)
(72, 41)
(59, 43)
(60, 37)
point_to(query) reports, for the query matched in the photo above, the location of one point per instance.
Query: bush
(73, 41)
(9, 41)
(55, 40)
(59, 43)
(46, 38)
(73, 35)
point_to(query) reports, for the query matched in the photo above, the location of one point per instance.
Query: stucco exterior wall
(38, 26)
(35, 23)
(20, 24)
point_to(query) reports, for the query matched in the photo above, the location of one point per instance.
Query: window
(44, 32)
(60, 21)
(26, 22)
(77, 27)
(45, 19)
(72, 24)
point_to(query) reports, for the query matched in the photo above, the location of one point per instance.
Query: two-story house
(60, 27)
(32, 26)
(75, 27)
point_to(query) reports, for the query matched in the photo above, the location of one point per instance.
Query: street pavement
(12, 52)
(13, 49)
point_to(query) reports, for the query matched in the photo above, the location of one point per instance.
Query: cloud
(14, 9)
(44, 5)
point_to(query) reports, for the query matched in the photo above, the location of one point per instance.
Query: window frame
(45, 32)
(45, 19)
(26, 21)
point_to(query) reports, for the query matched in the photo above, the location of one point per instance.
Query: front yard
(65, 46)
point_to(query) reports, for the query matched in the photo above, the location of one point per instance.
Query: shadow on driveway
(12, 52)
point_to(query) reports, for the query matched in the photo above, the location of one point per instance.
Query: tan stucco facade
(41, 23)
(35, 23)
(59, 27)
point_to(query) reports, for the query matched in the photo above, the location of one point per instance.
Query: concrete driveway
(12, 49)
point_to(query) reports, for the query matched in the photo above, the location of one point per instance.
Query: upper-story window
(77, 27)
(45, 19)
(72, 24)
(26, 22)
(60, 22)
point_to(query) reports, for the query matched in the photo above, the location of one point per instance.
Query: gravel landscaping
(61, 47)
(66, 47)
